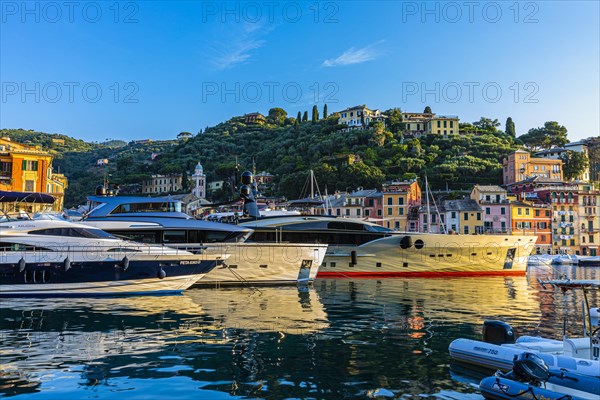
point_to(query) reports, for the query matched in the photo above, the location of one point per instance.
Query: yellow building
(25, 168)
(533, 218)
(418, 124)
(520, 166)
(360, 117)
(589, 219)
(463, 216)
(397, 198)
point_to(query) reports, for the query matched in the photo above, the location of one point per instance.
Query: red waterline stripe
(429, 274)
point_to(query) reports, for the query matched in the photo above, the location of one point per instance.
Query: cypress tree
(315, 114)
(299, 117)
(325, 111)
(305, 117)
(510, 127)
(427, 110)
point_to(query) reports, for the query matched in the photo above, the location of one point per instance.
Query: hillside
(342, 160)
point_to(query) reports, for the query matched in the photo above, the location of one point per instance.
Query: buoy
(22, 264)
(67, 263)
(161, 273)
(406, 242)
(125, 263)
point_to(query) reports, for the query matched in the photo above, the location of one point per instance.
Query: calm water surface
(339, 339)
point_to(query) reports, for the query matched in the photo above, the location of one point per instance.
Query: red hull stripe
(430, 274)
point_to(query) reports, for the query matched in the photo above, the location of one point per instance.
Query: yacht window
(74, 232)
(128, 208)
(312, 225)
(5, 246)
(174, 237)
(122, 250)
(138, 236)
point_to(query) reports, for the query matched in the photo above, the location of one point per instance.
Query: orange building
(397, 198)
(520, 166)
(531, 218)
(25, 168)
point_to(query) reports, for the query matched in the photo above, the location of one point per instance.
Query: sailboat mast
(428, 210)
(312, 184)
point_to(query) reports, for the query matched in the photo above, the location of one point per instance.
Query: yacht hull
(265, 263)
(100, 278)
(430, 255)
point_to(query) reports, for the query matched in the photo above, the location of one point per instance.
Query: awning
(26, 197)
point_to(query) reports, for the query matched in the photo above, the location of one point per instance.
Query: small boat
(565, 259)
(531, 378)
(577, 356)
(57, 258)
(589, 261)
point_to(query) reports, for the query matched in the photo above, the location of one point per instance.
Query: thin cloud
(238, 52)
(239, 48)
(354, 56)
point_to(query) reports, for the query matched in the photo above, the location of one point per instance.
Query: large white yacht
(358, 248)
(58, 258)
(159, 220)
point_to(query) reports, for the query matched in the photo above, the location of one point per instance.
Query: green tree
(277, 116)
(394, 121)
(299, 117)
(185, 180)
(510, 127)
(487, 125)
(427, 110)
(574, 163)
(551, 134)
(305, 117)
(325, 111)
(315, 114)
(593, 145)
(184, 136)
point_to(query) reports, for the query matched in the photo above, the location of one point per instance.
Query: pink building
(495, 206)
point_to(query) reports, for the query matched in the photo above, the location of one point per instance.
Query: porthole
(419, 244)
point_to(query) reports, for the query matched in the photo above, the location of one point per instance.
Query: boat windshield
(129, 208)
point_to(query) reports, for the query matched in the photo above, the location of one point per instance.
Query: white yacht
(52, 257)
(159, 220)
(358, 248)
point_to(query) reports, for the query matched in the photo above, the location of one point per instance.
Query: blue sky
(153, 69)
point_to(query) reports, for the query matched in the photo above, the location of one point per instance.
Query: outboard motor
(530, 368)
(250, 207)
(497, 332)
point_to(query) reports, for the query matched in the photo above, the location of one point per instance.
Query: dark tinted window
(74, 232)
(5, 246)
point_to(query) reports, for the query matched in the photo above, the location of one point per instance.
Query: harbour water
(341, 338)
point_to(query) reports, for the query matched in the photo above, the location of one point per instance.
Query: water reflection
(340, 339)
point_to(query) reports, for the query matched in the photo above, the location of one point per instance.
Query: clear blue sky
(167, 67)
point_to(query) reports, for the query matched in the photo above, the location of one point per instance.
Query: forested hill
(288, 151)
(342, 160)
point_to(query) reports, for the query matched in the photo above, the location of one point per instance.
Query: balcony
(492, 202)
